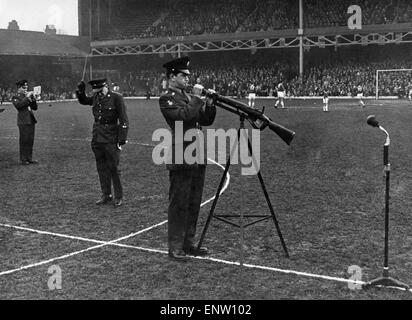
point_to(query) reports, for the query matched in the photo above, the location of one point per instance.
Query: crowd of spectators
(133, 19)
(57, 79)
(340, 79)
(53, 88)
(231, 73)
(373, 12)
(196, 17)
(271, 15)
(6, 95)
(204, 17)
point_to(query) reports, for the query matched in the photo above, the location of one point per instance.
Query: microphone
(371, 120)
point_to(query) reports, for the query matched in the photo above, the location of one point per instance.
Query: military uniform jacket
(110, 118)
(176, 105)
(22, 104)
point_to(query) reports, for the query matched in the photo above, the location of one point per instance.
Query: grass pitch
(327, 190)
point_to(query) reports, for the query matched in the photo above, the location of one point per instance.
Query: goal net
(393, 82)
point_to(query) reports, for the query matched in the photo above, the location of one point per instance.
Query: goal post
(378, 72)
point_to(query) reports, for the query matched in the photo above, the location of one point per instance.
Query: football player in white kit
(252, 95)
(115, 87)
(325, 100)
(360, 96)
(409, 90)
(281, 95)
(163, 86)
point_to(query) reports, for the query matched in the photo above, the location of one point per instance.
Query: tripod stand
(385, 280)
(224, 218)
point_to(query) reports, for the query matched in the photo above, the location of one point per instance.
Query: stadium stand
(189, 17)
(230, 72)
(271, 15)
(132, 21)
(373, 12)
(194, 18)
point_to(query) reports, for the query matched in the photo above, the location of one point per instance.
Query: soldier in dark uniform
(25, 103)
(186, 180)
(109, 134)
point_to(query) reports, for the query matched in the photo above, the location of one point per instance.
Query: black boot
(104, 200)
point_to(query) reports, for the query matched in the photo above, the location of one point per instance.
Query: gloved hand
(211, 95)
(81, 86)
(197, 90)
(30, 96)
(122, 142)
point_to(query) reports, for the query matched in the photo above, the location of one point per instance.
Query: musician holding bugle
(186, 180)
(25, 103)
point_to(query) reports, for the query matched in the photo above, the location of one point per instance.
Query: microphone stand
(385, 280)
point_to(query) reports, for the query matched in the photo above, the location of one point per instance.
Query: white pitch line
(101, 243)
(107, 242)
(298, 273)
(226, 185)
(233, 263)
(60, 235)
(114, 243)
(49, 261)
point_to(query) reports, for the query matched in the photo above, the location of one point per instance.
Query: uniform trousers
(185, 196)
(26, 141)
(107, 162)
